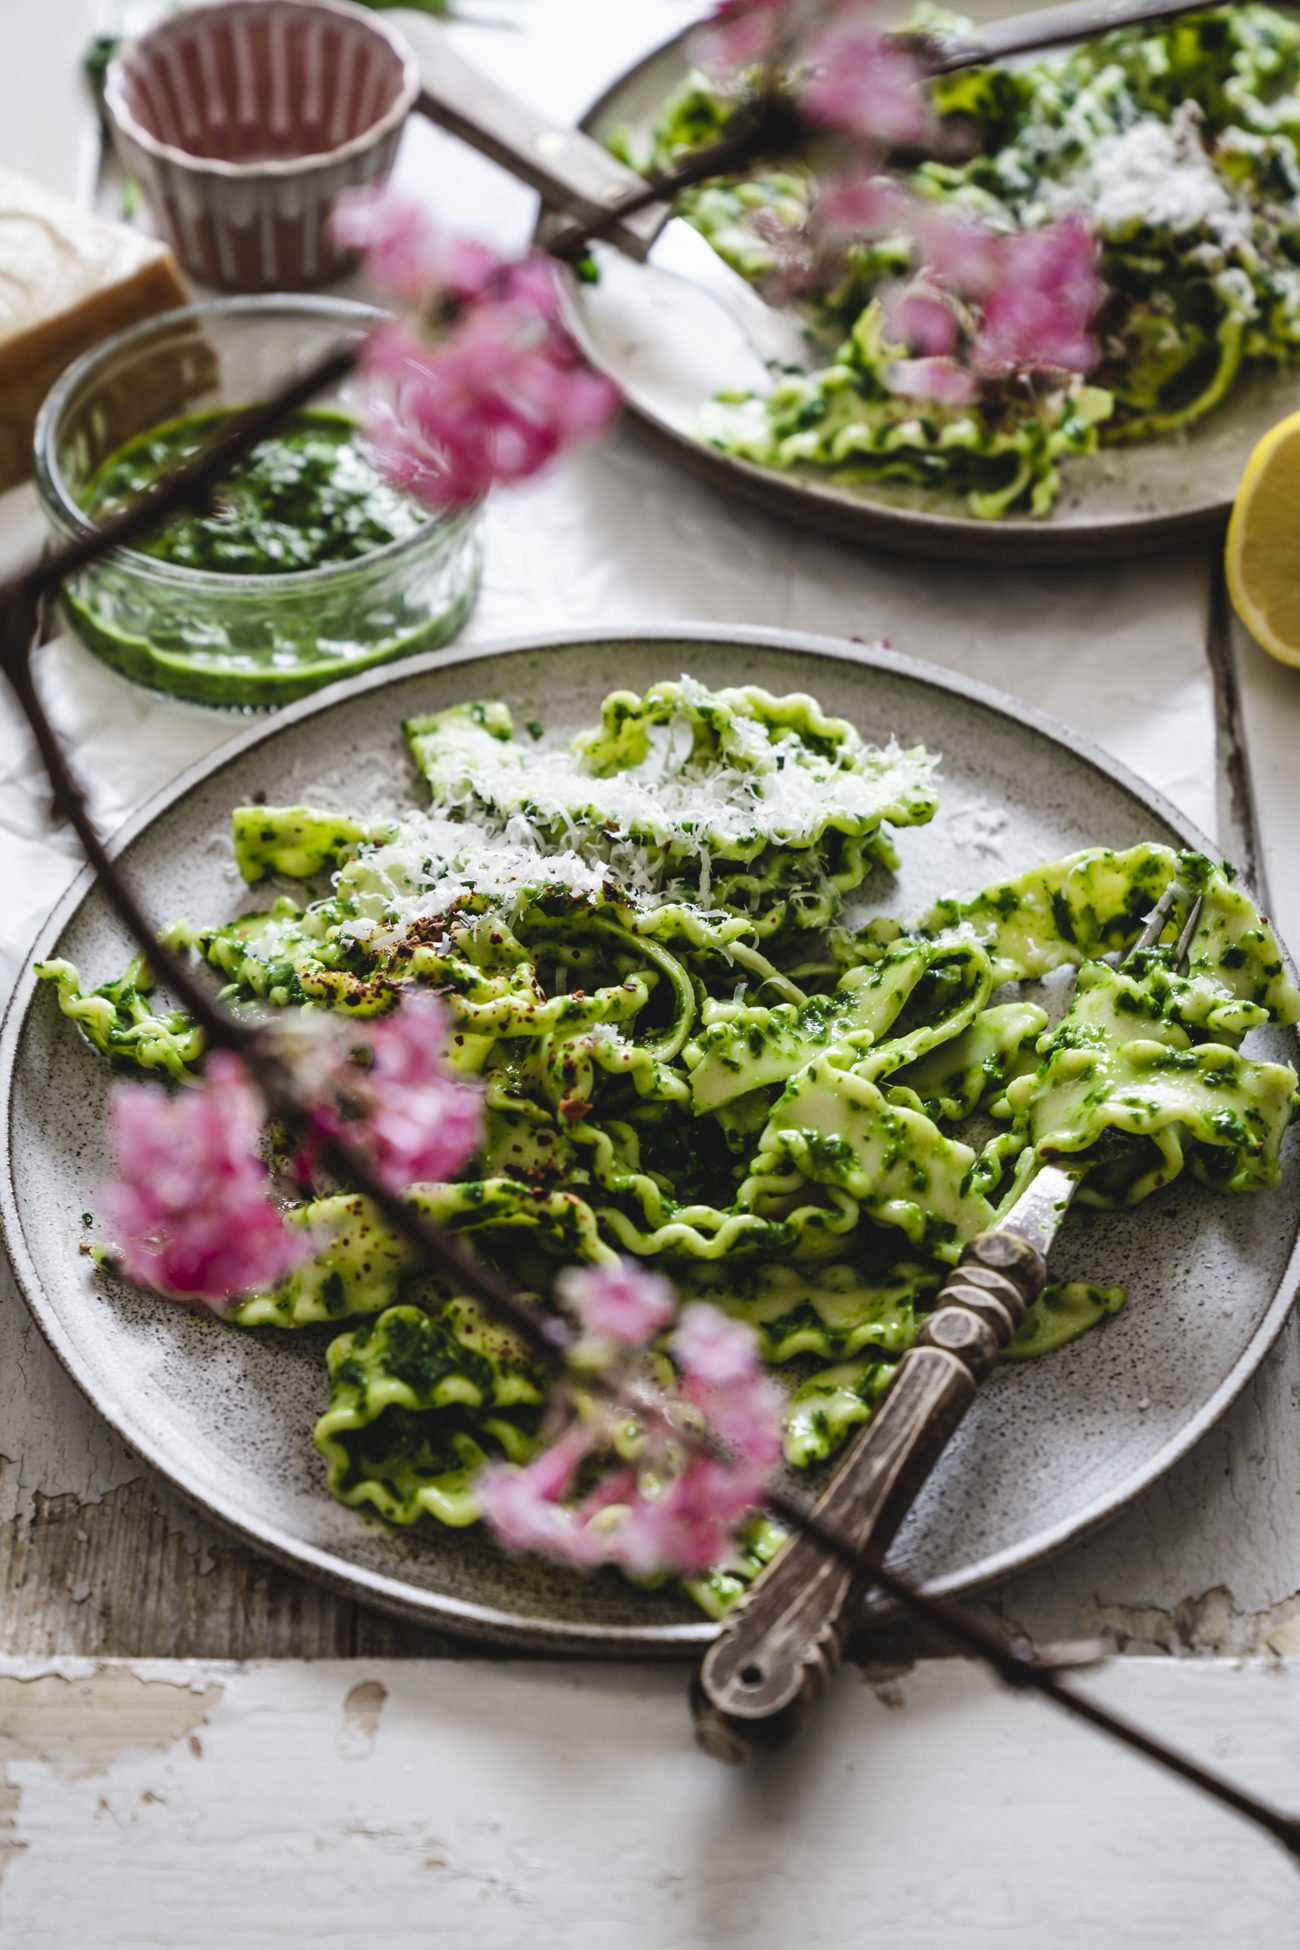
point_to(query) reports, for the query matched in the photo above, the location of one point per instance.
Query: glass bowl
(245, 641)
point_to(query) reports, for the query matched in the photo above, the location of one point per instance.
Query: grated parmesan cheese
(757, 791)
(512, 822)
(434, 864)
(1156, 173)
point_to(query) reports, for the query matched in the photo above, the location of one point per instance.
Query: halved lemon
(1263, 553)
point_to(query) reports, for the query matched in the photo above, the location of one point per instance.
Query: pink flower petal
(521, 1506)
(712, 1348)
(673, 1509)
(417, 1124)
(623, 1302)
(738, 33)
(187, 1203)
(494, 401)
(863, 204)
(1040, 313)
(723, 1373)
(962, 254)
(918, 316)
(406, 255)
(942, 380)
(866, 85)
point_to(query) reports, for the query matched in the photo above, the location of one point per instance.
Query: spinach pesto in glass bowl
(308, 565)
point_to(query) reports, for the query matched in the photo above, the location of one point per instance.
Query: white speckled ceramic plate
(671, 358)
(1050, 1449)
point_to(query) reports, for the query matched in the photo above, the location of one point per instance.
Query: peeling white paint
(362, 1708)
(1212, 1622)
(73, 1722)
(563, 1806)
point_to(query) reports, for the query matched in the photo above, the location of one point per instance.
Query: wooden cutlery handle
(569, 170)
(779, 1646)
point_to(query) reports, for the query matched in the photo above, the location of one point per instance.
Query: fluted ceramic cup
(243, 121)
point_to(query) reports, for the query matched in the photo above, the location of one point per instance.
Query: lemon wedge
(1263, 552)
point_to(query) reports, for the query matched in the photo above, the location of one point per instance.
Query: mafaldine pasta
(697, 1046)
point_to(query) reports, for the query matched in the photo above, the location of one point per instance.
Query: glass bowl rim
(59, 505)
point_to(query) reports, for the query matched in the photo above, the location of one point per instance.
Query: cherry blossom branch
(773, 127)
(774, 122)
(548, 1337)
(223, 1030)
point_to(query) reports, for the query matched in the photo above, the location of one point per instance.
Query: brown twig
(188, 487)
(544, 1335)
(222, 1029)
(1019, 1668)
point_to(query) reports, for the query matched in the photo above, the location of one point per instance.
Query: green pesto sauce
(307, 497)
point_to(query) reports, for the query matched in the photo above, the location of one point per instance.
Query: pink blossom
(749, 33)
(739, 33)
(713, 1349)
(675, 1507)
(919, 316)
(188, 1203)
(1047, 295)
(1036, 293)
(942, 380)
(494, 400)
(522, 1507)
(964, 255)
(851, 76)
(954, 250)
(622, 1302)
(862, 204)
(681, 1524)
(686, 1526)
(412, 462)
(723, 1375)
(405, 253)
(479, 383)
(866, 85)
(415, 1122)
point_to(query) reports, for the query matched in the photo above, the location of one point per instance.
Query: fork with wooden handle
(778, 1648)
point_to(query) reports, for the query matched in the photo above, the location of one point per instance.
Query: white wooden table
(197, 1748)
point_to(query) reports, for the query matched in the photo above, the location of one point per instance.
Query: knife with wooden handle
(568, 169)
(575, 175)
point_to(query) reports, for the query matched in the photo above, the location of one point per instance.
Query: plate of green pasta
(777, 975)
(1178, 145)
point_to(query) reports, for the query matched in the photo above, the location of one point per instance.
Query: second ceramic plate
(671, 358)
(1050, 1448)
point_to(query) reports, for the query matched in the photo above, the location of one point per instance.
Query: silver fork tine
(1184, 947)
(1155, 926)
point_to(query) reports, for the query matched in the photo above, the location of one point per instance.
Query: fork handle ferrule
(780, 1645)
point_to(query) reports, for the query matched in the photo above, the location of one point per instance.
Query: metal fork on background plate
(778, 1648)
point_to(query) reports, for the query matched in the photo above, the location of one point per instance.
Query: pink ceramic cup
(242, 122)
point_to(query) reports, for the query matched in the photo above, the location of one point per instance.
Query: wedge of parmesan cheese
(67, 280)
